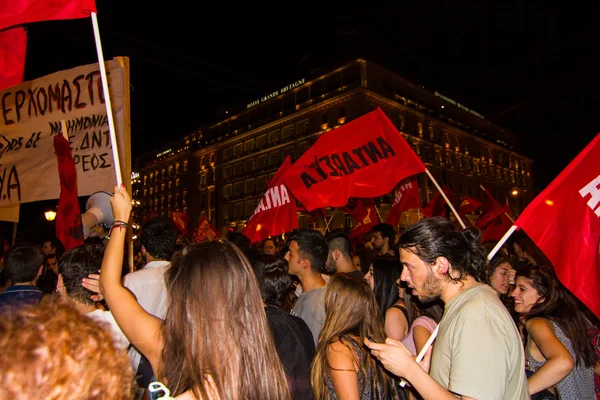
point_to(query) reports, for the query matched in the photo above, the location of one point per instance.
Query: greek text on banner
(30, 115)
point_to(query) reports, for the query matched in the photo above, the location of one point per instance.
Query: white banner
(30, 115)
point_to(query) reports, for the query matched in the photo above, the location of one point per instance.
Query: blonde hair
(351, 310)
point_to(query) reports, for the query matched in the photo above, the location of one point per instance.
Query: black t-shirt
(296, 349)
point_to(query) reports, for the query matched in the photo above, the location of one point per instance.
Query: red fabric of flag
(364, 158)
(496, 230)
(276, 211)
(69, 228)
(205, 231)
(13, 48)
(20, 12)
(564, 222)
(438, 205)
(365, 214)
(181, 220)
(468, 205)
(406, 198)
(491, 210)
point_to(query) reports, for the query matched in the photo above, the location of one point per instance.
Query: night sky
(532, 69)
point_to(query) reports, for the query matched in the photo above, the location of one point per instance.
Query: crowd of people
(311, 316)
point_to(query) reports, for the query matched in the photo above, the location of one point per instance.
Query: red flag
(364, 158)
(13, 45)
(437, 205)
(181, 220)
(276, 212)
(19, 12)
(205, 231)
(407, 197)
(365, 214)
(491, 210)
(564, 222)
(496, 230)
(69, 229)
(468, 205)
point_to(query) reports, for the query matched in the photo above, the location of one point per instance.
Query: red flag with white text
(276, 211)
(406, 198)
(365, 214)
(564, 222)
(20, 12)
(364, 158)
(205, 231)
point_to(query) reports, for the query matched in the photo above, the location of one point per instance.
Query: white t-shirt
(107, 319)
(148, 286)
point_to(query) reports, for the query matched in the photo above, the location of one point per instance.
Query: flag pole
(446, 198)
(501, 242)
(379, 215)
(111, 122)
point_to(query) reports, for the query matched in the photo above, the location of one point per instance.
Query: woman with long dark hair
(558, 350)
(215, 342)
(342, 367)
(383, 277)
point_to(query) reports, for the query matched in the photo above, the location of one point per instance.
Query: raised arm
(141, 328)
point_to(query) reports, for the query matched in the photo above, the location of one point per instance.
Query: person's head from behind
(434, 254)
(77, 264)
(24, 263)
(340, 250)
(273, 279)
(351, 314)
(383, 237)
(159, 239)
(308, 252)
(383, 279)
(53, 351)
(350, 308)
(240, 240)
(213, 298)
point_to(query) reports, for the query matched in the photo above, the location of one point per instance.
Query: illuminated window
(185, 165)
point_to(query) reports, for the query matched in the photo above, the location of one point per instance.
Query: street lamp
(50, 215)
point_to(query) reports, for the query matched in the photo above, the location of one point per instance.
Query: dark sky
(532, 69)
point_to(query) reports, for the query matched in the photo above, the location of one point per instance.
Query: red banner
(13, 46)
(564, 222)
(20, 12)
(364, 158)
(276, 212)
(407, 198)
(438, 206)
(365, 214)
(205, 231)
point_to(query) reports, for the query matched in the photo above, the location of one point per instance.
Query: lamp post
(50, 215)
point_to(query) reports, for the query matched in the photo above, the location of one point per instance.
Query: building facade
(228, 171)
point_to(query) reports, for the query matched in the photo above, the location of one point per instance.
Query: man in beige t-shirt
(478, 352)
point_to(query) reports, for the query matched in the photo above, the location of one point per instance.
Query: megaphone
(98, 214)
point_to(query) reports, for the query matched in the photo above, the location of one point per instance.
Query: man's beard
(431, 289)
(331, 266)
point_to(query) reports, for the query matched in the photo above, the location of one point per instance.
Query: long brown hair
(557, 304)
(216, 328)
(351, 310)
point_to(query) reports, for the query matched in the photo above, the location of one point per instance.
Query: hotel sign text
(275, 93)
